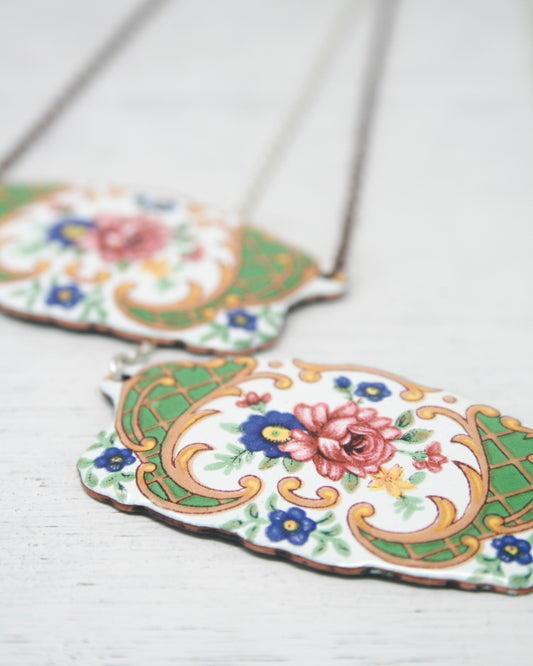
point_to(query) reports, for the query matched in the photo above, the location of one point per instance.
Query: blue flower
(373, 391)
(266, 433)
(66, 296)
(69, 231)
(149, 203)
(511, 549)
(114, 459)
(342, 382)
(242, 319)
(292, 525)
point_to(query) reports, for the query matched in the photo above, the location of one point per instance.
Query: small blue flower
(292, 525)
(242, 319)
(373, 391)
(114, 459)
(266, 433)
(150, 203)
(342, 382)
(69, 231)
(511, 549)
(66, 296)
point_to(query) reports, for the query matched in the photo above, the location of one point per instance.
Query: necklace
(147, 266)
(341, 468)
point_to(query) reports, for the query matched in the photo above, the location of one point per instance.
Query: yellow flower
(392, 481)
(159, 268)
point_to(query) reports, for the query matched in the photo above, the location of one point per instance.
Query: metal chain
(79, 81)
(316, 76)
(282, 138)
(137, 354)
(379, 44)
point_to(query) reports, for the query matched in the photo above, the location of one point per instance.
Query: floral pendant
(344, 469)
(146, 268)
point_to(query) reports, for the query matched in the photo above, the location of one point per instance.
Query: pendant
(143, 267)
(344, 469)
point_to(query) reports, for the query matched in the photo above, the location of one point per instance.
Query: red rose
(252, 398)
(434, 461)
(126, 237)
(350, 439)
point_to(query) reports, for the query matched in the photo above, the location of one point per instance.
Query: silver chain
(136, 354)
(284, 135)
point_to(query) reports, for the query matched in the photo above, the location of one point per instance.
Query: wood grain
(441, 276)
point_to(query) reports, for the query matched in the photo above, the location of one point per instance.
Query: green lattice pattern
(264, 276)
(13, 196)
(161, 407)
(510, 495)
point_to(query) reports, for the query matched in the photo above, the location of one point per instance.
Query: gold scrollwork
(328, 496)
(311, 373)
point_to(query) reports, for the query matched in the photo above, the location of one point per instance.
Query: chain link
(137, 354)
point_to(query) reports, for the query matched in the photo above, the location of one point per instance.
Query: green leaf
(125, 477)
(267, 463)
(327, 518)
(349, 482)
(214, 466)
(85, 462)
(272, 503)
(91, 479)
(334, 531)
(251, 532)
(416, 436)
(319, 548)
(249, 456)
(251, 510)
(341, 547)
(292, 465)
(234, 428)
(122, 493)
(520, 580)
(231, 525)
(227, 459)
(108, 481)
(405, 419)
(417, 478)
(237, 450)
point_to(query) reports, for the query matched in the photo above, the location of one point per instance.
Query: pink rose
(350, 439)
(126, 237)
(434, 461)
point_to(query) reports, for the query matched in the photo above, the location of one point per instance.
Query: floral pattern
(433, 460)
(125, 238)
(349, 439)
(374, 391)
(242, 319)
(269, 432)
(293, 525)
(233, 466)
(114, 459)
(68, 232)
(251, 399)
(392, 481)
(66, 296)
(152, 267)
(510, 549)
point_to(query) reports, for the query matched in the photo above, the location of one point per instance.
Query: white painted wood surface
(441, 292)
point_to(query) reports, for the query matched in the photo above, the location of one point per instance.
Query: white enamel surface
(157, 278)
(451, 167)
(448, 482)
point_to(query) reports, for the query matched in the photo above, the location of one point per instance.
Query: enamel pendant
(143, 267)
(344, 469)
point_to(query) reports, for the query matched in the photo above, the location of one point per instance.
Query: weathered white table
(441, 292)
